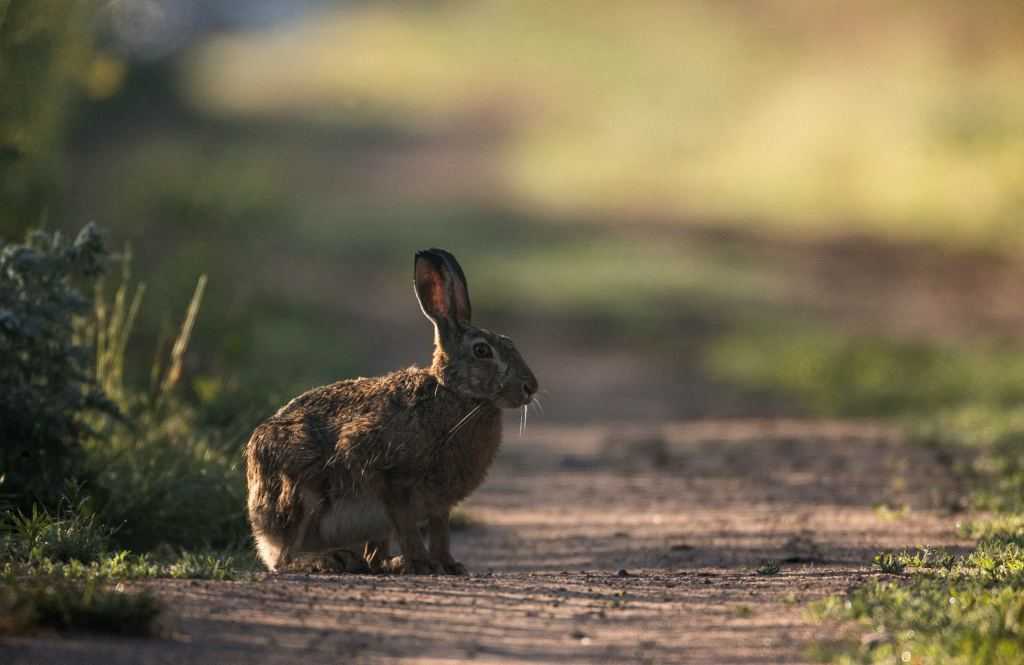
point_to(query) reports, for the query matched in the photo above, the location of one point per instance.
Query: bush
(46, 384)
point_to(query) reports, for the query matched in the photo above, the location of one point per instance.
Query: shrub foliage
(46, 384)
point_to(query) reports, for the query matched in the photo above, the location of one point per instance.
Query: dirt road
(610, 544)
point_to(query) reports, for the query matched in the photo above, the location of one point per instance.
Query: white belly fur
(355, 520)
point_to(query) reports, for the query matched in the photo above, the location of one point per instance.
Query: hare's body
(345, 467)
(318, 468)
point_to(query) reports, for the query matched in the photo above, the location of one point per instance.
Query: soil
(597, 544)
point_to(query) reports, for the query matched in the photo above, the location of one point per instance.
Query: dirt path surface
(610, 544)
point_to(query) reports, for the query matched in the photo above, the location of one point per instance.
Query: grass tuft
(75, 604)
(889, 563)
(72, 534)
(204, 566)
(167, 479)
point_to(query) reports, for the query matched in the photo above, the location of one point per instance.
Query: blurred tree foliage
(46, 377)
(46, 49)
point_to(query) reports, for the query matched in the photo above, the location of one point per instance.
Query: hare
(343, 468)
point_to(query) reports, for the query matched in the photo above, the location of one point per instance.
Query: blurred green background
(677, 209)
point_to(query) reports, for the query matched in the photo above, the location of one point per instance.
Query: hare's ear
(441, 287)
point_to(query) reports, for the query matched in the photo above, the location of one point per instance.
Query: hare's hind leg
(375, 554)
(371, 560)
(270, 550)
(340, 561)
(277, 553)
(281, 500)
(278, 549)
(293, 542)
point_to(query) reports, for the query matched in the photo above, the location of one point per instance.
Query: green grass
(205, 566)
(75, 544)
(74, 533)
(966, 403)
(889, 563)
(66, 604)
(58, 571)
(126, 565)
(949, 607)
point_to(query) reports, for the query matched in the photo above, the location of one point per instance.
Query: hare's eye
(482, 350)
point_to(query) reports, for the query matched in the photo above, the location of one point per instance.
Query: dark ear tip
(441, 258)
(433, 253)
(431, 256)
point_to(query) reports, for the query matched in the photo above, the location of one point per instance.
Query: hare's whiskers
(462, 423)
(524, 418)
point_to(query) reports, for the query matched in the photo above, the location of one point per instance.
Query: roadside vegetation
(967, 404)
(103, 481)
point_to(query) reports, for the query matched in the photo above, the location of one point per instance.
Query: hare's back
(347, 418)
(363, 396)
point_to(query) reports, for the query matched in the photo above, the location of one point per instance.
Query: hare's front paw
(453, 567)
(450, 566)
(399, 565)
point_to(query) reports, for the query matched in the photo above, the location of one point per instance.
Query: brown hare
(343, 468)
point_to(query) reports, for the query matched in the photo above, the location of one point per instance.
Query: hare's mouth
(517, 392)
(507, 403)
(512, 399)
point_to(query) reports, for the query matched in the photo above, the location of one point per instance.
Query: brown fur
(343, 453)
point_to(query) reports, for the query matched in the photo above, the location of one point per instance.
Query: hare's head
(472, 361)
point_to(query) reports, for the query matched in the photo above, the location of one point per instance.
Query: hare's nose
(529, 388)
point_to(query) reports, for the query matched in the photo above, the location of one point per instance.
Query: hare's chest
(464, 462)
